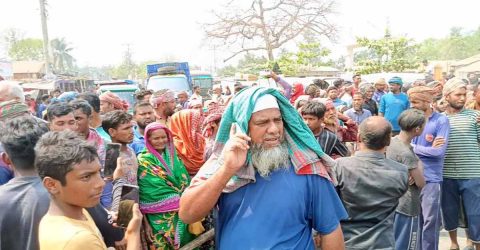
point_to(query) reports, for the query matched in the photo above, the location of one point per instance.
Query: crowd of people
(355, 165)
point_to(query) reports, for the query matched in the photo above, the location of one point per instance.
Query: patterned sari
(162, 178)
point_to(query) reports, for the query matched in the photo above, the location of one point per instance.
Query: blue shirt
(391, 106)
(42, 107)
(5, 174)
(138, 143)
(278, 212)
(377, 96)
(432, 158)
(337, 102)
(357, 116)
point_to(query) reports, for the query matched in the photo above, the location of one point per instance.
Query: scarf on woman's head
(169, 147)
(299, 90)
(187, 137)
(114, 100)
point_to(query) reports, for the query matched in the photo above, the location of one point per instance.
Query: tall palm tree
(62, 60)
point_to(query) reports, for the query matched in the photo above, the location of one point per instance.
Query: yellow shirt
(63, 233)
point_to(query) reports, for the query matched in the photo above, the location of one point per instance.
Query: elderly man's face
(182, 98)
(217, 91)
(369, 94)
(266, 128)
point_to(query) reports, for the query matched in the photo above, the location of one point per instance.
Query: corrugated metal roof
(467, 61)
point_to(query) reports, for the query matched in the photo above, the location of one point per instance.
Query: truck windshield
(127, 95)
(175, 84)
(204, 83)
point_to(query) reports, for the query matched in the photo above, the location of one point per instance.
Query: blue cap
(396, 80)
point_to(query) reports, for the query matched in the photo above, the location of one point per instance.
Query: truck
(204, 80)
(174, 76)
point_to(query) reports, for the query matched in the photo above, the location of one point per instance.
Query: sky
(100, 31)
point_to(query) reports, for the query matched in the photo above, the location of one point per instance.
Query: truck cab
(173, 76)
(204, 80)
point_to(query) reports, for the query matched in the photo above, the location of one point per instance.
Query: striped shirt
(331, 145)
(462, 160)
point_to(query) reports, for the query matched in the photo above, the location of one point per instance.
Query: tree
(457, 45)
(27, 49)
(11, 36)
(127, 68)
(387, 54)
(266, 27)
(228, 70)
(62, 60)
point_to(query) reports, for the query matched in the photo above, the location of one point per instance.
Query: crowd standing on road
(354, 165)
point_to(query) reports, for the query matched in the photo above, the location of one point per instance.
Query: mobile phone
(111, 155)
(128, 197)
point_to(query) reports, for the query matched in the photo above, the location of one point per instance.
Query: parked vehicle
(204, 80)
(125, 92)
(174, 76)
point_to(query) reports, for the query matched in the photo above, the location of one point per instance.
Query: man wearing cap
(110, 102)
(394, 103)
(217, 94)
(461, 172)
(163, 102)
(430, 147)
(182, 98)
(380, 89)
(266, 173)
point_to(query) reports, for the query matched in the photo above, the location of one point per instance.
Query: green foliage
(62, 60)
(457, 45)
(290, 63)
(387, 55)
(311, 54)
(26, 50)
(228, 70)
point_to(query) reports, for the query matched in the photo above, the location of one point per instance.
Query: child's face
(84, 185)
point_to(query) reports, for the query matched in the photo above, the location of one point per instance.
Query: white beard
(266, 161)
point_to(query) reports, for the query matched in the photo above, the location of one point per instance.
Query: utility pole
(46, 44)
(214, 59)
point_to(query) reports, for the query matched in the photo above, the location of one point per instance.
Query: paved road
(445, 240)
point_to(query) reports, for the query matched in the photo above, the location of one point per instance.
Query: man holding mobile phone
(70, 171)
(118, 125)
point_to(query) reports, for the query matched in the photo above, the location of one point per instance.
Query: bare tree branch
(242, 51)
(261, 27)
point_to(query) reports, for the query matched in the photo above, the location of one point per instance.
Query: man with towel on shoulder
(266, 173)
